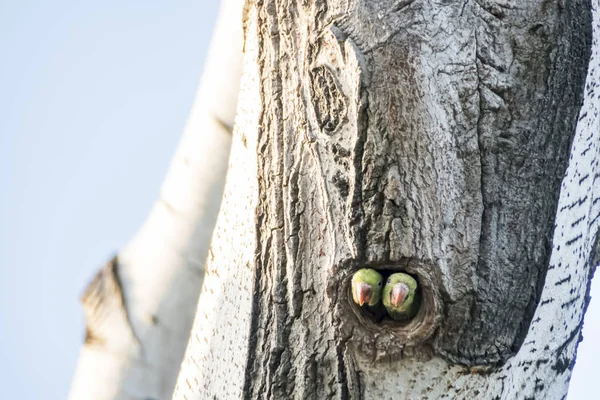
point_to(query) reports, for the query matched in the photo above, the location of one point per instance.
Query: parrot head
(399, 296)
(366, 287)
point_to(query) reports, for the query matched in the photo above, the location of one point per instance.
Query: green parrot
(400, 296)
(366, 288)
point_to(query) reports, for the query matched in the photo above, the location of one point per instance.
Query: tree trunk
(140, 307)
(425, 137)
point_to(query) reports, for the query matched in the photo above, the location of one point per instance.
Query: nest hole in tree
(382, 328)
(380, 316)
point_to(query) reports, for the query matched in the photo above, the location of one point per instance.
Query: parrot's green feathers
(366, 287)
(400, 296)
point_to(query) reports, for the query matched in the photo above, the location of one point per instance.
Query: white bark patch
(139, 310)
(215, 359)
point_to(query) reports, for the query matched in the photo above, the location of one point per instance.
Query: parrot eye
(380, 283)
(389, 281)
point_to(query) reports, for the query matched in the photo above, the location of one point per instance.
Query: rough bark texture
(430, 137)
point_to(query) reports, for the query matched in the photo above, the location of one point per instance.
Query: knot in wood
(327, 98)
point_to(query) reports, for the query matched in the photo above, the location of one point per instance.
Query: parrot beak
(362, 292)
(399, 293)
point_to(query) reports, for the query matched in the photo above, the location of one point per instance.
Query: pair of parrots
(399, 294)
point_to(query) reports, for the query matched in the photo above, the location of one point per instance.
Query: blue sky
(93, 99)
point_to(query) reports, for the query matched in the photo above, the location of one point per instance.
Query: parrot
(400, 297)
(366, 288)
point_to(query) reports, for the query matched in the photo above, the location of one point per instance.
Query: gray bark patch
(427, 137)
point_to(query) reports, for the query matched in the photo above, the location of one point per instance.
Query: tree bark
(445, 139)
(140, 307)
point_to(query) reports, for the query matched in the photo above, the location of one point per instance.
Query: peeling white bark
(140, 307)
(254, 297)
